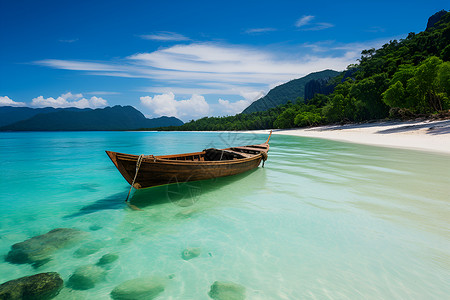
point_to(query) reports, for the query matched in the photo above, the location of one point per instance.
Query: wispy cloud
(102, 93)
(259, 30)
(304, 20)
(216, 69)
(305, 24)
(165, 36)
(77, 65)
(318, 26)
(376, 29)
(6, 101)
(68, 40)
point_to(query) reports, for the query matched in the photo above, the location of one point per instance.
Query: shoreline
(429, 136)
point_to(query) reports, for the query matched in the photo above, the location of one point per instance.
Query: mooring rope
(264, 157)
(138, 165)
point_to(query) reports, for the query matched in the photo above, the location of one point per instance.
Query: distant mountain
(72, 119)
(287, 92)
(10, 115)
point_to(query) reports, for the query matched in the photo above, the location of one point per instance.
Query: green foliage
(287, 92)
(318, 100)
(256, 120)
(410, 74)
(334, 110)
(285, 119)
(308, 118)
(421, 89)
(394, 96)
(400, 79)
(444, 77)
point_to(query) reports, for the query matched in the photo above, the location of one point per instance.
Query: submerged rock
(86, 277)
(126, 240)
(39, 263)
(41, 286)
(226, 290)
(88, 249)
(145, 288)
(95, 227)
(39, 248)
(190, 253)
(107, 259)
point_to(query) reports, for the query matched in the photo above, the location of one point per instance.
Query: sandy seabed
(432, 136)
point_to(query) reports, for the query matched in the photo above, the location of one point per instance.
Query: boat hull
(153, 172)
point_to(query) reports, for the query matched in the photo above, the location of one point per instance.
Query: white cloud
(210, 62)
(232, 108)
(68, 41)
(319, 26)
(166, 105)
(259, 30)
(221, 64)
(376, 29)
(6, 101)
(304, 20)
(103, 93)
(77, 65)
(165, 36)
(69, 100)
(221, 69)
(305, 24)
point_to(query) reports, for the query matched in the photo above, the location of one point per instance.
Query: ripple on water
(322, 219)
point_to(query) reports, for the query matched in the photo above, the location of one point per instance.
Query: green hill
(109, 118)
(288, 91)
(404, 79)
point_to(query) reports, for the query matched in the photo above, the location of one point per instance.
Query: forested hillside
(406, 77)
(288, 91)
(402, 79)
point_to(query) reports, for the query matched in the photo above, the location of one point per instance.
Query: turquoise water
(322, 220)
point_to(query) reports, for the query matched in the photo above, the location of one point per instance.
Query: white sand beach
(431, 136)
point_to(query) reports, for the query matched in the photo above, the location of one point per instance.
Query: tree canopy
(411, 75)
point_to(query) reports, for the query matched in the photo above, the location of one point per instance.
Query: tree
(286, 118)
(427, 84)
(308, 118)
(394, 96)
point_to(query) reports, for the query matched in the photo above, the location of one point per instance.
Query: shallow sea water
(322, 220)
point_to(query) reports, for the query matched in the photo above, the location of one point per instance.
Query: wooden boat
(143, 171)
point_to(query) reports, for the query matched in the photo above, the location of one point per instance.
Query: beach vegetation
(422, 89)
(402, 79)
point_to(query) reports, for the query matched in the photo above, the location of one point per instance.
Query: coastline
(430, 136)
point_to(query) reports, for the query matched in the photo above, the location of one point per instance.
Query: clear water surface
(322, 220)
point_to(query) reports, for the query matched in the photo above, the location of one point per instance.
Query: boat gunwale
(122, 162)
(158, 160)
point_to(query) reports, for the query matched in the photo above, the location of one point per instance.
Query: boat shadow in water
(184, 194)
(115, 201)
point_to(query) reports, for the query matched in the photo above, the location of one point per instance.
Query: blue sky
(184, 58)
